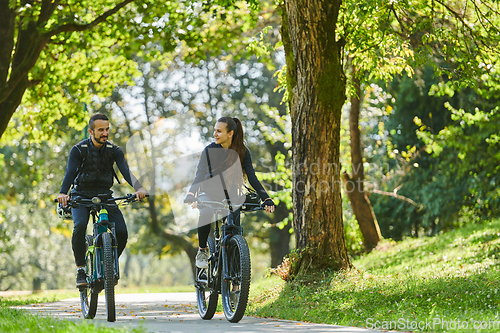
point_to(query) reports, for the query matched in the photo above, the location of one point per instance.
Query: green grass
(438, 284)
(43, 297)
(14, 320)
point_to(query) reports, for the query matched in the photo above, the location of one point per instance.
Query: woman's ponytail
(238, 143)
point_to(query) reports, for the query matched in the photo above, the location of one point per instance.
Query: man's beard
(99, 140)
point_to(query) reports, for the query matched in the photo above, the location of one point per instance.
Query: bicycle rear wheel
(88, 297)
(109, 276)
(207, 293)
(236, 286)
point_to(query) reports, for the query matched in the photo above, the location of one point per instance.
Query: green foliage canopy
(66, 53)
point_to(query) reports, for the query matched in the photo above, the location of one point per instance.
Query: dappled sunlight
(443, 280)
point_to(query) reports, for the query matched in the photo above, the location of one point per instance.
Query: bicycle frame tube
(227, 231)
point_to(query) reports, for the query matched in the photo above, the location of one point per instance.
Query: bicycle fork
(101, 229)
(228, 231)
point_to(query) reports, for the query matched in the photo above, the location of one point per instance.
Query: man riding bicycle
(90, 170)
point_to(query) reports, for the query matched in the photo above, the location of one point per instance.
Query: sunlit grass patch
(437, 282)
(42, 297)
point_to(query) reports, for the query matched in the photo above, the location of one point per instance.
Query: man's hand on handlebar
(140, 194)
(63, 199)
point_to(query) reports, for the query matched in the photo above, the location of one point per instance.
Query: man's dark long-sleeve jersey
(202, 173)
(75, 159)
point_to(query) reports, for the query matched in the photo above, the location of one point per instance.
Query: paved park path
(175, 312)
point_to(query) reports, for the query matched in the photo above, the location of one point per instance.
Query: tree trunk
(37, 284)
(279, 238)
(10, 105)
(360, 203)
(316, 94)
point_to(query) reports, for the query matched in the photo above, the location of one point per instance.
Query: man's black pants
(81, 218)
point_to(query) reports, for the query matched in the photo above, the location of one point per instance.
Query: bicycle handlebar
(246, 207)
(98, 201)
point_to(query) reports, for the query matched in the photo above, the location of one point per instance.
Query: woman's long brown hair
(238, 143)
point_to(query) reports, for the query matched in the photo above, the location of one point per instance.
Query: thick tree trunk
(28, 48)
(10, 105)
(316, 88)
(360, 203)
(279, 238)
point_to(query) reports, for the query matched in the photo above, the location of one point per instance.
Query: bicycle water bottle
(103, 217)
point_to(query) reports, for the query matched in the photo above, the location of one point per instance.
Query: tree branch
(82, 27)
(467, 27)
(21, 71)
(7, 32)
(32, 83)
(38, 43)
(397, 196)
(48, 8)
(481, 15)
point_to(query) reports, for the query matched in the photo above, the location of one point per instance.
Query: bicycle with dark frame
(101, 255)
(228, 271)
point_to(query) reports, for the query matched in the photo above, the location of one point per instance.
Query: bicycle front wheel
(109, 276)
(236, 286)
(88, 296)
(207, 293)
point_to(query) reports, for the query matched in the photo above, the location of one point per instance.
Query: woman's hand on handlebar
(63, 199)
(191, 200)
(269, 205)
(141, 194)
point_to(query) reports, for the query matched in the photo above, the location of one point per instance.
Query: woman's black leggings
(207, 218)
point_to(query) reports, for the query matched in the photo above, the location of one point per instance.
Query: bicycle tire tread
(207, 311)
(109, 277)
(89, 307)
(244, 254)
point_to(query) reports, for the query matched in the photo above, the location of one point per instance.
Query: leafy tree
(316, 94)
(468, 154)
(423, 192)
(385, 38)
(55, 56)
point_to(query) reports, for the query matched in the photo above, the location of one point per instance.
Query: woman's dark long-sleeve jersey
(203, 173)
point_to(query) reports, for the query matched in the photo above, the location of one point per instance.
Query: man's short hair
(96, 117)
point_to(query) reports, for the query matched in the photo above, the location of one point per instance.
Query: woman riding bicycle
(219, 176)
